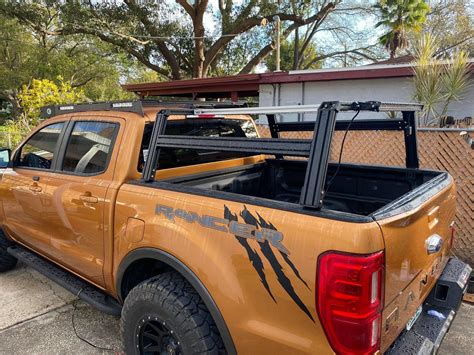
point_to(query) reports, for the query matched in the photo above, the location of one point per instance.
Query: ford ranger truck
(207, 239)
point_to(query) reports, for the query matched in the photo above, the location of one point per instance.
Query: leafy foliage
(84, 62)
(400, 17)
(45, 92)
(438, 84)
(309, 59)
(452, 23)
(32, 98)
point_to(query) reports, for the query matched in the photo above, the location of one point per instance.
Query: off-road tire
(7, 261)
(168, 301)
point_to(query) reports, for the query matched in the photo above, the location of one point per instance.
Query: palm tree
(400, 17)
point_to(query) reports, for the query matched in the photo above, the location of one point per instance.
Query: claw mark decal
(252, 254)
(272, 259)
(285, 257)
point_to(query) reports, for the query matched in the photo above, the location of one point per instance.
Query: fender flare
(189, 275)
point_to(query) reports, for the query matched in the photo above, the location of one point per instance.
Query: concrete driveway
(36, 317)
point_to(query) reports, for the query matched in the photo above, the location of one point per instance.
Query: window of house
(38, 151)
(89, 147)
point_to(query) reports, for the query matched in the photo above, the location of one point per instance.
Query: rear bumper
(439, 310)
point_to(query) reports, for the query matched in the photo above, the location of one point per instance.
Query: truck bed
(356, 189)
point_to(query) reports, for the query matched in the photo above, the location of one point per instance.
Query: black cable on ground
(74, 304)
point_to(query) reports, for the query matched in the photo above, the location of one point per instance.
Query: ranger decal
(238, 229)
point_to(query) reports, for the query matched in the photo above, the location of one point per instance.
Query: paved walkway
(36, 317)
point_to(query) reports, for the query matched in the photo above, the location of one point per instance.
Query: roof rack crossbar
(123, 106)
(135, 106)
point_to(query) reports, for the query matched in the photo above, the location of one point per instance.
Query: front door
(25, 197)
(78, 195)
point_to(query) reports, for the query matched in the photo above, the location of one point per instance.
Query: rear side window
(211, 128)
(89, 147)
(38, 151)
(173, 158)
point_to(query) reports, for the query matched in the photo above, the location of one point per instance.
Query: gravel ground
(36, 317)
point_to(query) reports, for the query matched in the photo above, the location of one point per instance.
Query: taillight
(350, 300)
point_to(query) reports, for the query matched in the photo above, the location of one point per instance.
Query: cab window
(177, 157)
(38, 152)
(89, 147)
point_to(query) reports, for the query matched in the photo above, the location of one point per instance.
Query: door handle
(87, 197)
(35, 187)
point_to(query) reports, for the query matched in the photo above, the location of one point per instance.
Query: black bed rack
(316, 149)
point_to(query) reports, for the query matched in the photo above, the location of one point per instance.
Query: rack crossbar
(342, 125)
(293, 147)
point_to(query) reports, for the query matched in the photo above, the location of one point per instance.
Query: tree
(400, 17)
(175, 39)
(451, 22)
(84, 62)
(437, 83)
(43, 93)
(292, 60)
(32, 98)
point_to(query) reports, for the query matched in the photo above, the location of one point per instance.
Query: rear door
(26, 200)
(78, 193)
(413, 260)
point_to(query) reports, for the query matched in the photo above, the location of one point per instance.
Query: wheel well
(144, 263)
(139, 271)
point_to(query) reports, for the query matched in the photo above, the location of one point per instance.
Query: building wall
(388, 90)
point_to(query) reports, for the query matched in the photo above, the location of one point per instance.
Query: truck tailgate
(411, 269)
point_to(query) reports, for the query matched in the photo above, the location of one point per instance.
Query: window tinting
(172, 158)
(89, 147)
(38, 151)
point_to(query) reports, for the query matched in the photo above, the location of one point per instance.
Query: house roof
(244, 85)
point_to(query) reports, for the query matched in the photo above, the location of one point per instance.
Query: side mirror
(5, 154)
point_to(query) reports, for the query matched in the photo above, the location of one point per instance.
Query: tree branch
(167, 54)
(336, 53)
(187, 7)
(257, 59)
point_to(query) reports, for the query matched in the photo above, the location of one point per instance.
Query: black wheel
(165, 315)
(7, 261)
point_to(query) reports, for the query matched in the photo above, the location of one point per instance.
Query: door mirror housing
(5, 156)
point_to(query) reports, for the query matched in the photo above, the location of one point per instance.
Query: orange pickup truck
(206, 238)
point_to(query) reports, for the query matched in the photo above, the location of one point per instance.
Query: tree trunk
(393, 52)
(198, 43)
(11, 97)
(296, 49)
